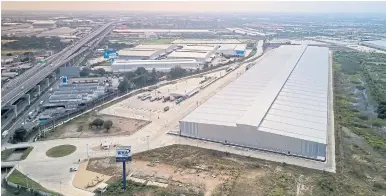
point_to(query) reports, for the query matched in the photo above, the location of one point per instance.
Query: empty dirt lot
(79, 127)
(209, 172)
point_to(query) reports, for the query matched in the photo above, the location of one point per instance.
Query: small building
(232, 50)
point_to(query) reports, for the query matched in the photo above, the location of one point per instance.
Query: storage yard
(151, 105)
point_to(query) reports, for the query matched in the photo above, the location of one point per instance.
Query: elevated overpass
(25, 82)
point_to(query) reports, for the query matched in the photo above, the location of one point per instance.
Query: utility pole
(26, 180)
(148, 144)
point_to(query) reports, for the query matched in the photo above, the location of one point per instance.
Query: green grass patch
(6, 153)
(61, 151)
(26, 153)
(19, 178)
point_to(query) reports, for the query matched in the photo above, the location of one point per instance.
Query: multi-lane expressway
(22, 84)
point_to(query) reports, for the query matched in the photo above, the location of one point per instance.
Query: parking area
(149, 109)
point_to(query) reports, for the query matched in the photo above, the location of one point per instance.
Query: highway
(20, 119)
(25, 82)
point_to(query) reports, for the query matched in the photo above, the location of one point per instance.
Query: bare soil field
(79, 127)
(215, 173)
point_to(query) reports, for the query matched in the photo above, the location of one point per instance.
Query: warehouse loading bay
(316, 144)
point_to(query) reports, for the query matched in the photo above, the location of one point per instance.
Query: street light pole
(26, 181)
(148, 144)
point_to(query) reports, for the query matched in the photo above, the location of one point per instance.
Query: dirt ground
(212, 172)
(80, 127)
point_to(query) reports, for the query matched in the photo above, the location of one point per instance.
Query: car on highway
(4, 134)
(73, 169)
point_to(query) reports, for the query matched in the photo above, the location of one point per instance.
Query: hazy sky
(198, 6)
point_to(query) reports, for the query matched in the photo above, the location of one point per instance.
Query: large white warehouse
(279, 105)
(160, 65)
(377, 44)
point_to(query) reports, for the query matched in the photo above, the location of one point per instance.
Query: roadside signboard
(123, 154)
(110, 55)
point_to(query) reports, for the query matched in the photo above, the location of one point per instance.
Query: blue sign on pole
(123, 154)
(110, 54)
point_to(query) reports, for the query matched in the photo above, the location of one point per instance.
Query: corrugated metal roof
(182, 54)
(285, 93)
(144, 53)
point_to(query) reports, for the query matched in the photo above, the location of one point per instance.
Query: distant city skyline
(198, 6)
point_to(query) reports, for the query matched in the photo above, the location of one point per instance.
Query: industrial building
(232, 50)
(377, 44)
(139, 54)
(160, 65)
(279, 105)
(201, 53)
(59, 32)
(164, 48)
(44, 24)
(200, 56)
(74, 95)
(206, 41)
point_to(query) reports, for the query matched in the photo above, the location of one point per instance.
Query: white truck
(4, 134)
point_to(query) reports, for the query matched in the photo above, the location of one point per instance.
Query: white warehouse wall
(250, 137)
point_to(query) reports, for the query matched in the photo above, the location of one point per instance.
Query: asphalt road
(21, 119)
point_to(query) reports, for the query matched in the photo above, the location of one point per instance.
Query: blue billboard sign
(240, 52)
(123, 154)
(64, 79)
(109, 54)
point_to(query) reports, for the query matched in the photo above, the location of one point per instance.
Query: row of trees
(141, 77)
(99, 123)
(33, 42)
(87, 71)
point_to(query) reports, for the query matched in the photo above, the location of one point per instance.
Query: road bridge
(25, 82)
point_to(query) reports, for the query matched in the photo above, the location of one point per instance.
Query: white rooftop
(163, 30)
(285, 93)
(198, 47)
(206, 41)
(154, 46)
(133, 52)
(188, 54)
(153, 62)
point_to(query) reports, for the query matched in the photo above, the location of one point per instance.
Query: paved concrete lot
(136, 108)
(53, 173)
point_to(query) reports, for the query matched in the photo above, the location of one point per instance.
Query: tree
(381, 110)
(85, 72)
(97, 122)
(176, 72)
(101, 71)
(129, 75)
(140, 71)
(123, 85)
(108, 124)
(19, 134)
